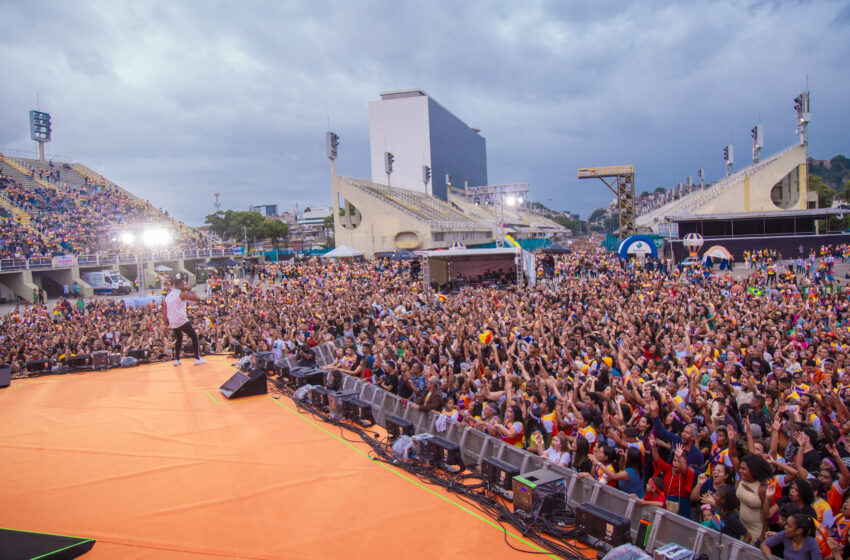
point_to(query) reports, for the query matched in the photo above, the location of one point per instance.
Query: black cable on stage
(470, 487)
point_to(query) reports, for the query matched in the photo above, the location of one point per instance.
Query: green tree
(596, 214)
(328, 224)
(845, 194)
(611, 224)
(235, 225)
(825, 194)
(274, 230)
(660, 189)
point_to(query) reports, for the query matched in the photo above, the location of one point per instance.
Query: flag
(441, 297)
(485, 337)
(758, 292)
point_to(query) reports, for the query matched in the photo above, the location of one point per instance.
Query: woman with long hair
(628, 478)
(581, 455)
(798, 540)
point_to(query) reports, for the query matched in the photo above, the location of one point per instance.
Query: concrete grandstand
(61, 220)
(390, 219)
(776, 184)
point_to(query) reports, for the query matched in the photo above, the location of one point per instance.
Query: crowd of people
(73, 218)
(721, 398)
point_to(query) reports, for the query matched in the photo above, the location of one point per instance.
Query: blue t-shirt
(633, 484)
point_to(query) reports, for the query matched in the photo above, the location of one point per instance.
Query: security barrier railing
(70, 261)
(475, 445)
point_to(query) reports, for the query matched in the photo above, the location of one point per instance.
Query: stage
(153, 462)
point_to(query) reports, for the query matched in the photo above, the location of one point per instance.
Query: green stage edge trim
(49, 554)
(397, 473)
(213, 398)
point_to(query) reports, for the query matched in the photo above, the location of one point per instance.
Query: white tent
(342, 251)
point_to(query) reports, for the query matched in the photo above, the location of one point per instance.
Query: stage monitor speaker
(141, 354)
(38, 366)
(599, 526)
(241, 385)
(281, 368)
(80, 362)
(539, 492)
(498, 474)
(307, 376)
(5, 376)
(100, 360)
(265, 361)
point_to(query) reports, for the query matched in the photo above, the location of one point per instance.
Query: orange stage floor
(154, 462)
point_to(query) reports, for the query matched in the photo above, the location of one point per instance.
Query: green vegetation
(835, 174)
(236, 224)
(825, 194)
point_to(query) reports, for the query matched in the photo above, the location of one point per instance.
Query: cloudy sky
(179, 100)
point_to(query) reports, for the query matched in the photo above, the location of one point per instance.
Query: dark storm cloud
(177, 101)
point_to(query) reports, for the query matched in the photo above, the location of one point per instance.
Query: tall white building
(419, 132)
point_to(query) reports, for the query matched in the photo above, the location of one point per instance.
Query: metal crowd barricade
(13, 264)
(476, 446)
(86, 260)
(37, 263)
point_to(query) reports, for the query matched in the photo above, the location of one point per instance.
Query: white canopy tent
(341, 252)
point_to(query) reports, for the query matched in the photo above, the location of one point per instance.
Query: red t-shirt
(675, 484)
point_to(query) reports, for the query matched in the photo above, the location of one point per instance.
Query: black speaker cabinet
(80, 362)
(5, 375)
(100, 360)
(265, 361)
(141, 354)
(38, 366)
(241, 385)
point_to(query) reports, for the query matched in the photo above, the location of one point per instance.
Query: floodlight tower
(388, 165)
(217, 202)
(701, 174)
(758, 142)
(426, 175)
(729, 158)
(331, 148)
(801, 105)
(40, 130)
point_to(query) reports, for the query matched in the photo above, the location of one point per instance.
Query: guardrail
(70, 261)
(476, 445)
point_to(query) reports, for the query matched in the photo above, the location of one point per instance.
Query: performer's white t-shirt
(175, 308)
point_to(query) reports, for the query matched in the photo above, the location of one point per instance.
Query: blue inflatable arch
(625, 244)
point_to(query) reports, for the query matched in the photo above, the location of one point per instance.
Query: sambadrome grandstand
(777, 184)
(60, 220)
(389, 219)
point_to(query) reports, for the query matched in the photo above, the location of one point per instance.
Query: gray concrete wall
(21, 283)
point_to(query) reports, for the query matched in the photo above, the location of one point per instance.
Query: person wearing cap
(174, 317)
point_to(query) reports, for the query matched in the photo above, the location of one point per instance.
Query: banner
(63, 260)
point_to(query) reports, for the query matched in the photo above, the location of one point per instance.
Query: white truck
(107, 282)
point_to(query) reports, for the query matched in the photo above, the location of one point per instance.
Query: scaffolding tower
(620, 179)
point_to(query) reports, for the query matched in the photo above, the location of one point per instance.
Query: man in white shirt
(174, 316)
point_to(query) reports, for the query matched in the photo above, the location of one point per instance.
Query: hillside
(834, 172)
